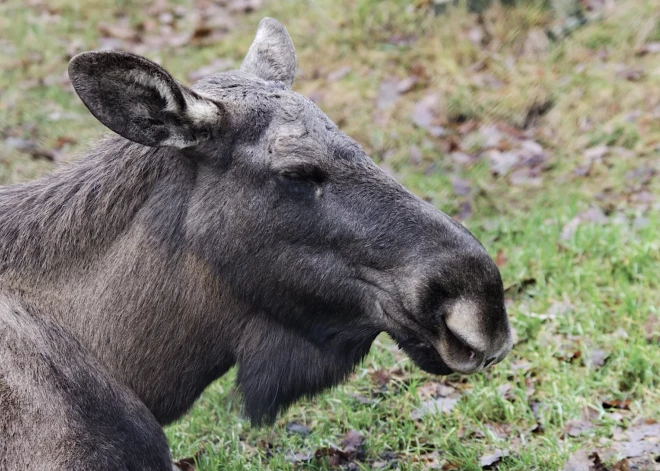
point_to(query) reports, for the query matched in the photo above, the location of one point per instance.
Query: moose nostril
(490, 361)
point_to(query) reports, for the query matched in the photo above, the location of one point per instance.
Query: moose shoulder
(226, 223)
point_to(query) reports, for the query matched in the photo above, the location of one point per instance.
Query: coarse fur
(227, 223)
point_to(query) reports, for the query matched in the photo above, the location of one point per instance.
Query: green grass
(594, 290)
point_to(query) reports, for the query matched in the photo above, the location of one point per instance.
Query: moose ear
(271, 56)
(140, 101)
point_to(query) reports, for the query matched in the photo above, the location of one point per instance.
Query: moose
(227, 223)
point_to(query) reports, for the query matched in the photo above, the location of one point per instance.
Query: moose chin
(226, 223)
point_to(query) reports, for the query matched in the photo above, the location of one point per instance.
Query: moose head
(322, 246)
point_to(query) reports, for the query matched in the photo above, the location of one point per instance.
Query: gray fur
(233, 223)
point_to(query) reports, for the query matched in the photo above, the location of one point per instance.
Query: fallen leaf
(297, 428)
(623, 465)
(20, 144)
(502, 162)
(188, 464)
(362, 399)
(575, 428)
(593, 215)
(648, 48)
(596, 358)
(387, 93)
(423, 115)
(434, 389)
(500, 258)
(523, 176)
(617, 404)
(578, 461)
(464, 211)
(632, 74)
(335, 455)
(505, 390)
(299, 457)
(407, 84)
(487, 461)
(598, 464)
(462, 187)
(402, 39)
(380, 377)
(244, 6)
(519, 286)
(340, 73)
(442, 405)
(652, 329)
(352, 444)
(415, 155)
(120, 30)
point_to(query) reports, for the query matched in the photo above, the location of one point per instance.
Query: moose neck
(98, 245)
(67, 218)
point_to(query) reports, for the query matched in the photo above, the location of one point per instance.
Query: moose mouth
(441, 352)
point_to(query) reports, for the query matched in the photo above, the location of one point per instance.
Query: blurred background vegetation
(535, 123)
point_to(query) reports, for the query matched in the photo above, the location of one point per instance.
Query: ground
(535, 126)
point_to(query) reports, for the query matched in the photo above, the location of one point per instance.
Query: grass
(593, 290)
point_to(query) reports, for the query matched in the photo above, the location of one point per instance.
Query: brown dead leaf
(363, 399)
(380, 377)
(407, 84)
(505, 390)
(299, 457)
(461, 186)
(335, 456)
(415, 155)
(617, 404)
(536, 43)
(244, 6)
(519, 286)
(402, 39)
(423, 115)
(652, 329)
(648, 48)
(440, 405)
(188, 464)
(575, 428)
(502, 162)
(434, 389)
(351, 449)
(596, 358)
(492, 459)
(121, 30)
(297, 428)
(578, 461)
(623, 465)
(353, 444)
(598, 464)
(632, 74)
(593, 215)
(388, 93)
(500, 258)
(340, 73)
(61, 141)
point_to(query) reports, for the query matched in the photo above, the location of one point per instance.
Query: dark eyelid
(303, 170)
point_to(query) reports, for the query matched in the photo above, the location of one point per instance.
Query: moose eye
(303, 174)
(293, 175)
(302, 181)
